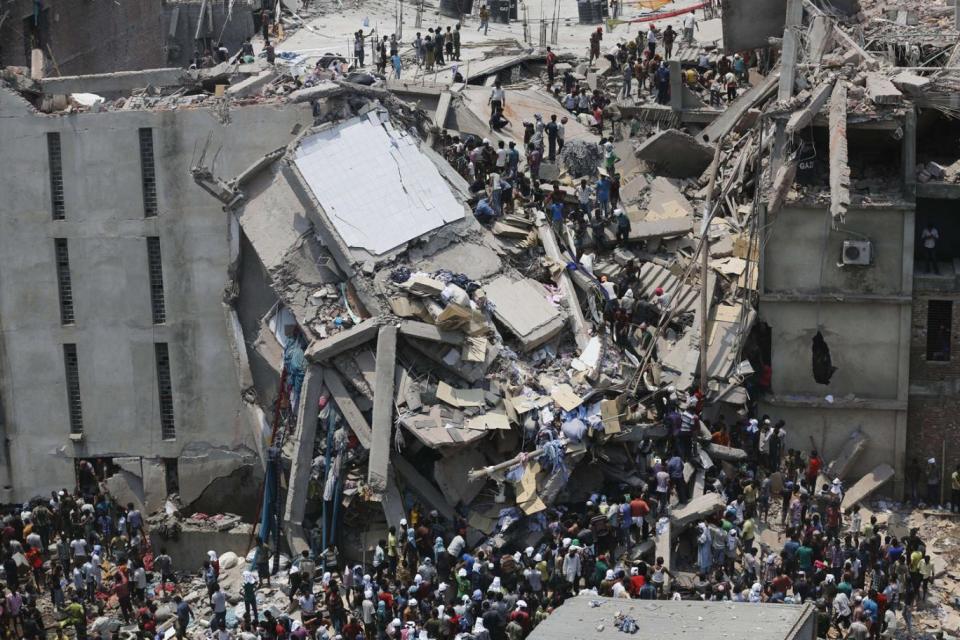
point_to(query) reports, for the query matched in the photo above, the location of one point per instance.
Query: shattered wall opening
(823, 368)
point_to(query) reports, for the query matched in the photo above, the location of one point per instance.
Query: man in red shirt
(638, 511)
(813, 469)
(636, 582)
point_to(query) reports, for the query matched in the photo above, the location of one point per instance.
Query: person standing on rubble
(663, 84)
(497, 99)
(669, 36)
(484, 18)
(552, 130)
(689, 24)
(438, 44)
(551, 67)
(652, 39)
(595, 38)
(534, 156)
(627, 89)
(397, 65)
(602, 189)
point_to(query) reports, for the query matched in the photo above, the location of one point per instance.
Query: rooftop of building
(588, 617)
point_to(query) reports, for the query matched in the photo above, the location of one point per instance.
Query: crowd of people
(81, 554)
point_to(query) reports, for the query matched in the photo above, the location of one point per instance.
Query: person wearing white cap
(572, 567)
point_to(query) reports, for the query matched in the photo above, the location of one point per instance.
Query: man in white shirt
(689, 24)
(79, 547)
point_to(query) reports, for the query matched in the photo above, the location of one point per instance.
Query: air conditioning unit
(856, 252)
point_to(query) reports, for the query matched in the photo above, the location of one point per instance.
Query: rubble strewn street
(524, 305)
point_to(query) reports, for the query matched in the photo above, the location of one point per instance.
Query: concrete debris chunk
(867, 485)
(675, 154)
(881, 91)
(522, 307)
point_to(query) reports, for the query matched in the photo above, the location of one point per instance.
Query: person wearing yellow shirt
(926, 575)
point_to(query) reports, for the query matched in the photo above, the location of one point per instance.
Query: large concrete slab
(867, 485)
(675, 154)
(424, 331)
(696, 509)
(379, 464)
(522, 307)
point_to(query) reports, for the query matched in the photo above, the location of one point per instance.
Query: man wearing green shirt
(805, 557)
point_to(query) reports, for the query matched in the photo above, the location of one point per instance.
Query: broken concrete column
(303, 438)
(805, 116)
(430, 494)
(379, 465)
(839, 163)
(577, 321)
(347, 407)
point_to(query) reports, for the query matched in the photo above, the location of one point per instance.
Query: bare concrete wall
(105, 228)
(863, 342)
(803, 252)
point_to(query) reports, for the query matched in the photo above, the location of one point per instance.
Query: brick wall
(931, 421)
(922, 371)
(933, 415)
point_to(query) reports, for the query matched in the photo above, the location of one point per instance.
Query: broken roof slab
(377, 188)
(472, 114)
(523, 308)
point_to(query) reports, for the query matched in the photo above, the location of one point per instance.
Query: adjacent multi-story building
(116, 345)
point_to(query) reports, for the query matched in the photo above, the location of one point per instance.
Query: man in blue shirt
(483, 211)
(513, 160)
(556, 217)
(603, 195)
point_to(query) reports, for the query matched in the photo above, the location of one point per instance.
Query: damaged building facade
(118, 348)
(82, 38)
